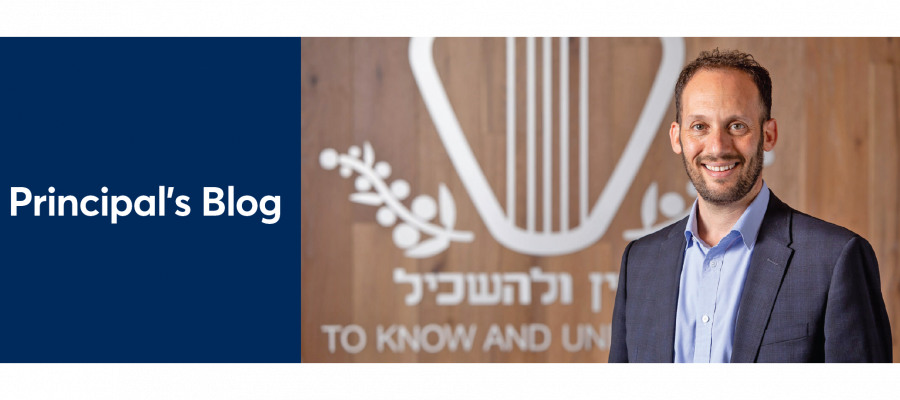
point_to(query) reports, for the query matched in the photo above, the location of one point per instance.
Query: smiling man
(743, 278)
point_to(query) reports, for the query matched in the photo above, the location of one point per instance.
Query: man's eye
(737, 126)
(697, 126)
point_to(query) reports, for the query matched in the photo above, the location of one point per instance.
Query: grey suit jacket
(812, 294)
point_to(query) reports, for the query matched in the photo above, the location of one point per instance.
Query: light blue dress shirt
(712, 281)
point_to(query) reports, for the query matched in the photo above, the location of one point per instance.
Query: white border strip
(583, 130)
(511, 129)
(548, 135)
(564, 134)
(530, 155)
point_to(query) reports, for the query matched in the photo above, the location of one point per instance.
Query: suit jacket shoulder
(662, 235)
(820, 239)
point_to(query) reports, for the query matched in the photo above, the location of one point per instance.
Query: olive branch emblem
(671, 205)
(407, 234)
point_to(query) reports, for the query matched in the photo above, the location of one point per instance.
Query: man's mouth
(720, 167)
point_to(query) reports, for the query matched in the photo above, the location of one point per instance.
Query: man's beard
(749, 175)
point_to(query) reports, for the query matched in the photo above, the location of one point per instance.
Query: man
(743, 278)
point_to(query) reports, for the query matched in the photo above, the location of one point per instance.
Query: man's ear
(770, 132)
(674, 132)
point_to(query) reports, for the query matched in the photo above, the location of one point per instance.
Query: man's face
(721, 138)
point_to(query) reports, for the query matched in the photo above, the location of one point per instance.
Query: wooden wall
(835, 99)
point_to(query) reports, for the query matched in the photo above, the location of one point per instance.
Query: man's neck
(714, 221)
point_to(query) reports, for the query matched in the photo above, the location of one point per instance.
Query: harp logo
(593, 221)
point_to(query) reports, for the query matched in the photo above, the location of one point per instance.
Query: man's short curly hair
(727, 59)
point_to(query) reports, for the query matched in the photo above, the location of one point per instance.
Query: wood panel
(884, 176)
(835, 99)
(326, 224)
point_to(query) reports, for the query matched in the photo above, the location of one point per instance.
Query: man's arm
(618, 350)
(856, 322)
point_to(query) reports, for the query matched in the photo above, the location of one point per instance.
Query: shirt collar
(747, 226)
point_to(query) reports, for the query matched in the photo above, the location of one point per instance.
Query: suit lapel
(661, 347)
(767, 266)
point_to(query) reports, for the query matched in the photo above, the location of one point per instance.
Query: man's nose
(719, 142)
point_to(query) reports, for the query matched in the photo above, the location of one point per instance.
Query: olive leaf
(368, 154)
(369, 199)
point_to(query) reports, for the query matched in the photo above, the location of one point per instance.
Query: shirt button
(705, 319)
(712, 264)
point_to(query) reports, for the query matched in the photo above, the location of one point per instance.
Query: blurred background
(470, 202)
